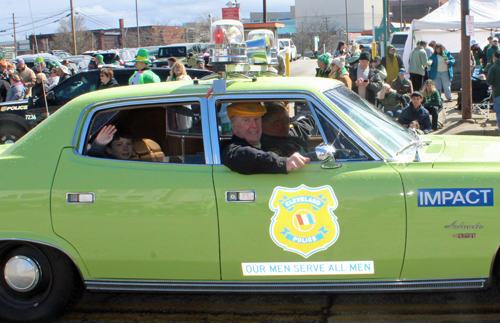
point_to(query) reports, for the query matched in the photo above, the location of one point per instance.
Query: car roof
(180, 44)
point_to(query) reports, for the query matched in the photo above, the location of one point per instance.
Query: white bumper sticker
(307, 268)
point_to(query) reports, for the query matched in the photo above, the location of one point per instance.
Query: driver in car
(244, 154)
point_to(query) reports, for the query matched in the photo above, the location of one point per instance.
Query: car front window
(376, 125)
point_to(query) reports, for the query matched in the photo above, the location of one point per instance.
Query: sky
(105, 14)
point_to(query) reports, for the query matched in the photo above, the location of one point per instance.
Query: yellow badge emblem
(303, 220)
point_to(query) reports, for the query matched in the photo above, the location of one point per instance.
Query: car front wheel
(38, 284)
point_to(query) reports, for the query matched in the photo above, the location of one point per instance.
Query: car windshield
(172, 52)
(110, 58)
(379, 127)
(286, 42)
(367, 40)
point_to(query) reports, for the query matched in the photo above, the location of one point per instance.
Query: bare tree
(157, 35)
(310, 26)
(63, 39)
(201, 28)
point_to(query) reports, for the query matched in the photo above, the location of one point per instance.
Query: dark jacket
(111, 83)
(239, 156)
(493, 78)
(323, 73)
(402, 87)
(4, 89)
(373, 88)
(38, 89)
(421, 115)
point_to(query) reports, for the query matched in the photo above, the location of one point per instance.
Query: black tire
(58, 288)
(10, 133)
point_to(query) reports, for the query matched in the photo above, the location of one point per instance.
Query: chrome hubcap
(22, 273)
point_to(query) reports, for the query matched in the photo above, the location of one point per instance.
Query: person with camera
(365, 80)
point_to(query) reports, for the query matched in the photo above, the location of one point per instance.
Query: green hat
(53, 64)
(38, 60)
(142, 56)
(100, 58)
(389, 47)
(325, 58)
(200, 60)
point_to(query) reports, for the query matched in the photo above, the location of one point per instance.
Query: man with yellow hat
(143, 74)
(244, 154)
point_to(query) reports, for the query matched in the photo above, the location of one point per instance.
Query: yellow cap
(245, 109)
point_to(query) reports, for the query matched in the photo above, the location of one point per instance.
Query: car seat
(147, 150)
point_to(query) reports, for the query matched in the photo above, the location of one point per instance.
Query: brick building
(104, 39)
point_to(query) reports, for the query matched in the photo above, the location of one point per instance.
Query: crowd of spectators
(388, 84)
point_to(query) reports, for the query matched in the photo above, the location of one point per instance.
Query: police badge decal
(303, 220)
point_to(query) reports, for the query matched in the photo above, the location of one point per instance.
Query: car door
(133, 219)
(346, 222)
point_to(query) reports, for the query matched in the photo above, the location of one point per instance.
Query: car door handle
(80, 198)
(241, 196)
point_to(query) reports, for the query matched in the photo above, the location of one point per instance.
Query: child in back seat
(112, 143)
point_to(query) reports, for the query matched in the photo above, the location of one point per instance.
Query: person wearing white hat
(339, 72)
(477, 52)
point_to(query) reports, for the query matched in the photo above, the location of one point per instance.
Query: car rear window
(173, 52)
(399, 39)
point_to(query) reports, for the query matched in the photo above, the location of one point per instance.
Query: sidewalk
(453, 124)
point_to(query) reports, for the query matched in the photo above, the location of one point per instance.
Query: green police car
(380, 209)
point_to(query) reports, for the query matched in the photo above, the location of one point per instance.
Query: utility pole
(73, 27)
(137, 20)
(264, 10)
(15, 39)
(384, 25)
(347, 24)
(466, 75)
(400, 16)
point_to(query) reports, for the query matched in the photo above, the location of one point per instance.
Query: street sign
(469, 25)
(231, 13)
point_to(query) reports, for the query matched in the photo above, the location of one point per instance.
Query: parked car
(398, 40)
(366, 41)
(188, 53)
(81, 61)
(381, 210)
(29, 59)
(60, 53)
(19, 117)
(286, 45)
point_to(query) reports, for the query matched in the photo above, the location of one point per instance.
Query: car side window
(160, 133)
(308, 130)
(77, 85)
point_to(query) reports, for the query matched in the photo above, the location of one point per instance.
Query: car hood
(457, 150)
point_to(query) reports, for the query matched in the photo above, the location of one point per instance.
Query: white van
(398, 40)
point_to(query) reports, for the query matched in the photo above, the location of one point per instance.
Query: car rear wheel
(10, 134)
(37, 284)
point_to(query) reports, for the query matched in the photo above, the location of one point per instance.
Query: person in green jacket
(143, 74)
(323, 65)
(392, 102)
(432, 101)
(493, 49)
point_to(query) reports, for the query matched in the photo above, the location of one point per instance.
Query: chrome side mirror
(326, 155)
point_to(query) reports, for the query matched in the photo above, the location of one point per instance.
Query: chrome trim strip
(49, 245)
(363, 286)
